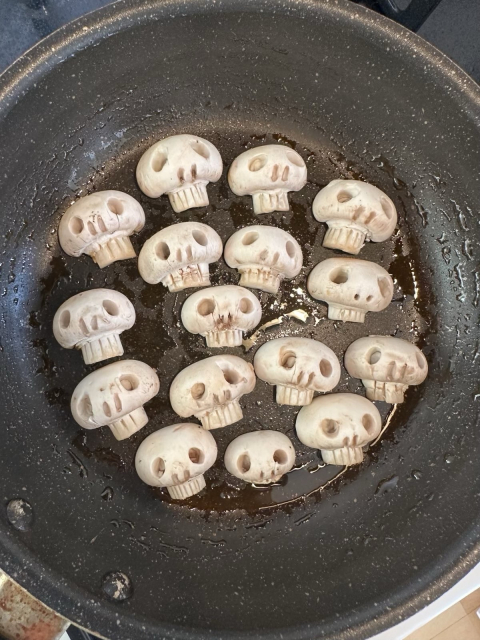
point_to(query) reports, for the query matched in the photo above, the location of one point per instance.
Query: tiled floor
(460, 622)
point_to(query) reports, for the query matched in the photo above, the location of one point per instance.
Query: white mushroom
(263, 256)
(100, 225)
(114, 395)
(350, 287)
(221, 314)
(93, 321)
(268, 173)
(180, 166)
(210, 390)
(387, 366)
(176, 457)
(354, 212)
(299, 367)
(260, 457)
(340, 425)
(178, 256)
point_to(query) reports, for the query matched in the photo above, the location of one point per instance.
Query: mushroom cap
(176, 247)
(298, 362)
(358, 284)
(109, 393)
(97, 218)
(261, 245)
(260, 457)
(159, 170)
(91, 314)
(363, 204)
(268, 167)
(210, 383)
(220, 309)
(337, 420)
(166, 457)
(386, 359)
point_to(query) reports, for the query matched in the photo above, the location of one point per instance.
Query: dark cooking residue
(159, 339)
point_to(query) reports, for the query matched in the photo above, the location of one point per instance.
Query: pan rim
(23, 566)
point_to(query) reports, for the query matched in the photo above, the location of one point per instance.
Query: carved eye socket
(76, 225)
(244, 463)
(280, 456)
(245, 305)
(290, 249)
(196, 455)
(201, 149)
(345, 195)
(162, 250)
(85, 407)
(206, 306)
(232, 376)
(384, 286)
(368, 424)
(325, 368)
(250, 238)
(374, 356)
(110, 307)
(199, 237)
(159, 160)
(420, 360)
(129, 382)
(295, 159)
(158, 467)
(115, 206)
(387, 207)
(198, 391)
(258, 162)
(65, 320)
(288, 359)
(339, 275)
(329, 427)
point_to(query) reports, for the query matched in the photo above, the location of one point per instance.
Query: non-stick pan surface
(356, 96)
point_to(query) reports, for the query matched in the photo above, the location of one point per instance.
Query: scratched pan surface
(316, 555)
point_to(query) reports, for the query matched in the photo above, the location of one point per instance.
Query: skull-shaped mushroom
(350, 287)
(176, 457)
(387, 366)
(299, 367)
(210, 390)
(221, 314)
(114, 395)
(93, 321)
(260, 457)
(268, 173)
(178, 256)
(180, 166)
(340, 425)
(100, 225)
(354, 212)
(263, 256)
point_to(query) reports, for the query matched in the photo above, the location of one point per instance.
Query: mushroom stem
(346, 239)
(103, 348)
(129, 424)
(229, 338)
(187, 489)
(115, 249)
(193, 275)
(344, 456)
(392, 392)
(268, 201)
(346, 314)
(293, 396)
(194, 195)
(262, 278)
(222, 416)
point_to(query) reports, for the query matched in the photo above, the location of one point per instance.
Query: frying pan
(322, 555)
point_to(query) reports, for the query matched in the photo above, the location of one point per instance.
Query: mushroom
(263, 256)
(350, 287)
(93, 321)
(268, 173)
(354, 212)
(387, 366)
(178, 256)
(340, 425)
(210, 390)
(221, 314)
(100, 225)
(114, 396)
(260, 457)
(180, 166)
(176, 457)
(299, 367)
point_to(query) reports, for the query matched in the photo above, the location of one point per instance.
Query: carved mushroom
(355, 212)
(180, 166)
(268, 173)
(350, 287)
(210, 390)
(221, 314)
(176, 457)
(178, 256)
(100, 225)
(114, 396)
(387, 366)
(263, 256)
(299, 367)
(340, 425)
(93, 321)
(260, 457)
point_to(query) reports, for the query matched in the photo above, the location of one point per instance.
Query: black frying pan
(358, 97)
